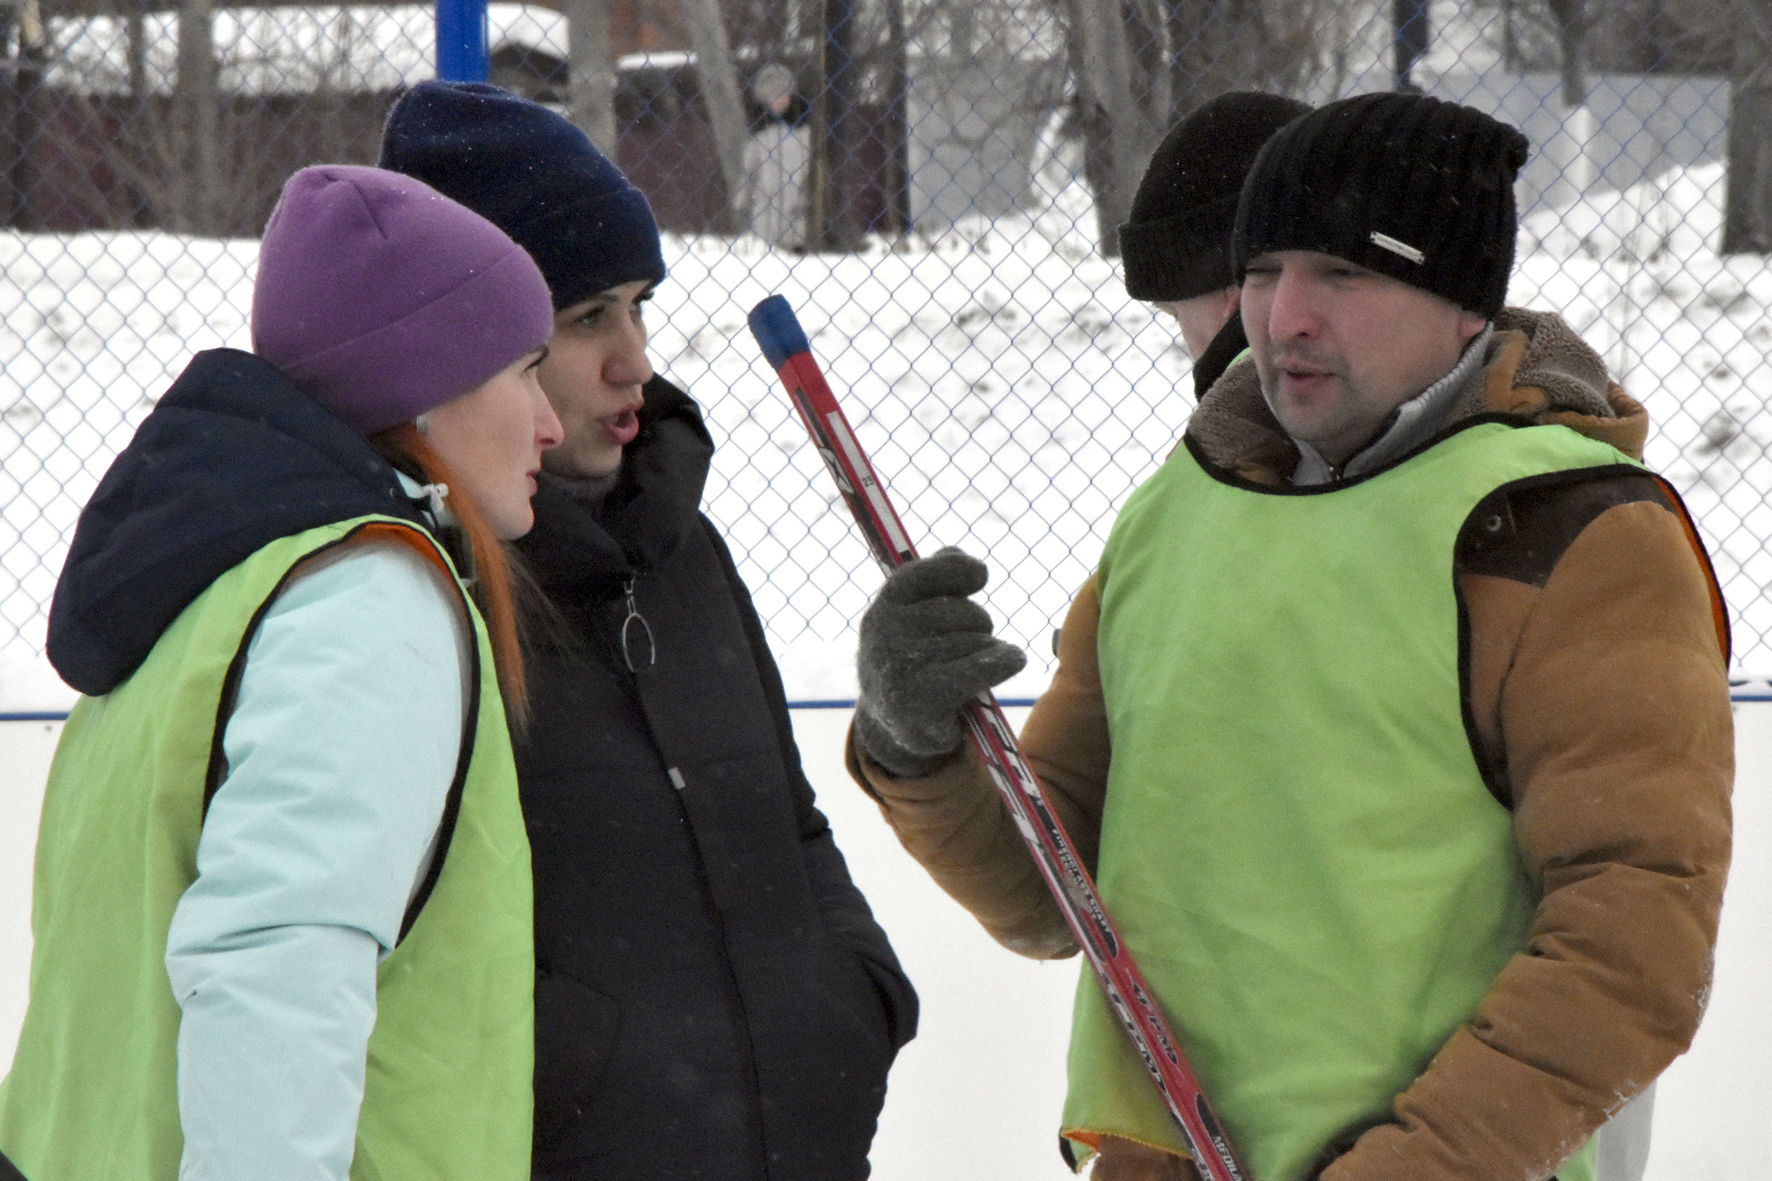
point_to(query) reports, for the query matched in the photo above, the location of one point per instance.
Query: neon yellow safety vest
(93, 1088)
(1297, 842)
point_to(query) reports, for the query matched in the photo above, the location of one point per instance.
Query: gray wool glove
(926, 650)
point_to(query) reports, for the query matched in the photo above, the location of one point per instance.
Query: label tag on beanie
(1386, 242)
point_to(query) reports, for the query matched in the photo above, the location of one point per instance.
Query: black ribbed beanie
(1175, 243)
(1413, 187)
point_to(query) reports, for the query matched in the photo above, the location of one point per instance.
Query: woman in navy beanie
(282, 894)
(713, 998)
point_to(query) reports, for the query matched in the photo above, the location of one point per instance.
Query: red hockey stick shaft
(785, 345)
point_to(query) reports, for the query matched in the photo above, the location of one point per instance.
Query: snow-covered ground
(1008, 391)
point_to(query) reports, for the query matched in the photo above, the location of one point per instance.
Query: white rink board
(977, 1094)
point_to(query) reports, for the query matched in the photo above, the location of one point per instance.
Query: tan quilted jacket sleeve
(1606, 693)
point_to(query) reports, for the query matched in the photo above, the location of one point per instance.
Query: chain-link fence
(931, 183)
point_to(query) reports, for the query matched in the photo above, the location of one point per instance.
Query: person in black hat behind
(1175, 244)
(1394, 720)
(713, 998)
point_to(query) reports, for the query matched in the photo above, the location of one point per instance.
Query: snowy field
(976, 1096)
(1008, 391)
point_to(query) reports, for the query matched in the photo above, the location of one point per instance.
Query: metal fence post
(462, 55)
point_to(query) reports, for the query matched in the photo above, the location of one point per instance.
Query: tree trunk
(22, 113)
(195, 104)
(1218, 48)
(592, 72)
(1568, 148)
(724, 101)
(1572, 28)
(1123, 106)
(139, 120)
(1510, 39)
(898, 145)
(1141, 65)
(136, 25)
(836, 133)
(1747, 201)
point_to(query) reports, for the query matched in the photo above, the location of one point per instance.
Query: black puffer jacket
(1227, 345)
(713, 996)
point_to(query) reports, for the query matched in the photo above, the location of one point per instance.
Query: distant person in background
(1394, 720)
(281, 911)
(778, 159)
(713, 996)
(1175, 244)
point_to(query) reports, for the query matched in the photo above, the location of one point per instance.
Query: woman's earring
(423, 423)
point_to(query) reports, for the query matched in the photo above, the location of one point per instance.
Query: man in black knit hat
(1175, 244)
(1394, 721)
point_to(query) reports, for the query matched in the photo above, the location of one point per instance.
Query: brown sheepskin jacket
(1599, 700)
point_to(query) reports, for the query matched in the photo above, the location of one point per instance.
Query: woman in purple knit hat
(282, 896)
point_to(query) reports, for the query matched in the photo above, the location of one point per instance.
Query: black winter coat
(713, 997)
(1226, 346)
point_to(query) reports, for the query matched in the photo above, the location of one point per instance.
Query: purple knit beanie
(381, 298)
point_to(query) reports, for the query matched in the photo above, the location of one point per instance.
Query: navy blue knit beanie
(1176, 241)
(1413, 187)
(533, 174)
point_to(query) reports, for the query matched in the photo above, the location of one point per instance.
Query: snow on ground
(1009, 393)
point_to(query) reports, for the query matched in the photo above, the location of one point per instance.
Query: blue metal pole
(462, 55)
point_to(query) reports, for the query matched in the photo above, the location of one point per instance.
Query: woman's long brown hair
(490, 579)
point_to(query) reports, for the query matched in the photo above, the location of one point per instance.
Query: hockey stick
(785, 346)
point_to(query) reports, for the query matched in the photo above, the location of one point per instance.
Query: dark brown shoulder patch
(1520, 531)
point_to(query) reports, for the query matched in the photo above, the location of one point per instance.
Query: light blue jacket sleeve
(340, 753)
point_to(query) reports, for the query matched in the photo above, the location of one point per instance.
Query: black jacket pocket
(575, 1028)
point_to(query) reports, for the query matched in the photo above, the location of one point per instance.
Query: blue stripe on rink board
(1740, 691)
